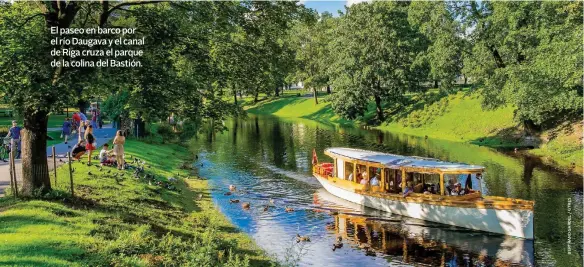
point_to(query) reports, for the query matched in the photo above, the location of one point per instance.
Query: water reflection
(270, 159)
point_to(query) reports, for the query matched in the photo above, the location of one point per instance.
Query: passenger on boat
(450, 186)
(419, 188)
(408, 190)
(374, 181)
(364, 175)
(457, 191)
(350, 177)
(364, 181)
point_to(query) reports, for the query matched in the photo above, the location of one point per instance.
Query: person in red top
(76, 120)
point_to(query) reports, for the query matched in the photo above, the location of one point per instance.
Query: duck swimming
(245, 205)
(289, 209)
(302, 238)
(338, 244)
(234, 201)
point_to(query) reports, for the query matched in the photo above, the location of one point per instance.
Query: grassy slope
(123, 222)
(458, 117)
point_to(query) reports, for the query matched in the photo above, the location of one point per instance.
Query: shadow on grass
(508, 139)
(327, 117)
(274, 106)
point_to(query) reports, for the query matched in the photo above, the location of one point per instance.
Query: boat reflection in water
(404, 240)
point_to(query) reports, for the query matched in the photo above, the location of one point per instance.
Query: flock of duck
(299, 238)
(247, 205)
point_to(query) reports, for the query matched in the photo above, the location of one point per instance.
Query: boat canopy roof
(398, 161)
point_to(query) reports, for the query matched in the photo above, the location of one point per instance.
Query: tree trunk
(464, 79)
(35, 172)
(81, 104)
(530, 127)
(435, 83)
(328, 89)
(315, 96)
(277, 91)
(378, 108)
(255, 97)
(234, 94)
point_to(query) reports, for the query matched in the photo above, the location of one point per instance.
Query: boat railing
(324, 169)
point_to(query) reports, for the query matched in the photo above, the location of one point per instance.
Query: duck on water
(422, 188)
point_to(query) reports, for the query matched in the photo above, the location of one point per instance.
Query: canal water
(269, 161)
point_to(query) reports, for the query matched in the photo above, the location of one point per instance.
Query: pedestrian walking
(14, 133)
(94, 118)
(76, 120)
(66, 131)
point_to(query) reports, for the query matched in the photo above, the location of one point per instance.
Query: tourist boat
(431, 182)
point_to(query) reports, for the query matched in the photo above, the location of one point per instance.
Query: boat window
(349, 166)
(392, 183)
(431, 183)
(410, 180)
(418, 182)
(452, 180)
(361, 172)
(375, 172)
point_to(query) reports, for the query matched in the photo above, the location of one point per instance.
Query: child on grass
(104, 158)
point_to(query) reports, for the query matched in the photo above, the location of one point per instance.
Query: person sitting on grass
(104, 156)
(78, 150)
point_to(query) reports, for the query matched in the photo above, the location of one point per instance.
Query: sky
(330, 6)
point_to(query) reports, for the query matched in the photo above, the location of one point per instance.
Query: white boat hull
(517, 223)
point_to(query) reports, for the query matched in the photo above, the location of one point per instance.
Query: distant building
(298, 85)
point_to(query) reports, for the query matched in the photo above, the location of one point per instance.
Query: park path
(102, 136)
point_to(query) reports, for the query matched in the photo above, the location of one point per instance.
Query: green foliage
(376, 48)
(165, 131)
(115, 105)
(445, 48)
(311, 39)
(528, 54)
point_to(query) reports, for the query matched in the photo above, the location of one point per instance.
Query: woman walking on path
(90, 146)
(119, 142)
(66, 129)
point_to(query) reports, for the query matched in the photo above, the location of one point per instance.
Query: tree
(177, 73)
(527, 54)
(444, 43)
(376, 48)
(311, 41)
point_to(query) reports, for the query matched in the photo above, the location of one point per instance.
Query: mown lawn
(117, 219)
(55, 121)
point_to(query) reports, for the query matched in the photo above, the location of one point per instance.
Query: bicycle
(5, 149)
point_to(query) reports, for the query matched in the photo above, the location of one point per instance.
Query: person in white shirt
(374, 181)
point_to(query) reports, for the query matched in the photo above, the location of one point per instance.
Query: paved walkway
(102, 136)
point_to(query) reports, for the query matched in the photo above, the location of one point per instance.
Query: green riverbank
(459, 117)
(116, 219)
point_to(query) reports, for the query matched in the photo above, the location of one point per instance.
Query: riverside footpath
(102, 136)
